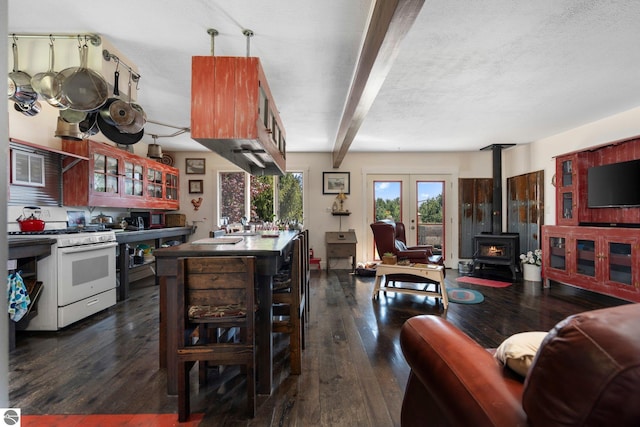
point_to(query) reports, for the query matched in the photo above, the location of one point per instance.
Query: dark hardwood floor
(353, 369)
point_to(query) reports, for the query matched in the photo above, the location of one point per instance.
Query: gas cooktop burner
(54, 232)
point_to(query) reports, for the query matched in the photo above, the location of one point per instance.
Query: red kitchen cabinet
(115, 178)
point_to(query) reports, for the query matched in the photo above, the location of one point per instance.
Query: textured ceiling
(468, 74)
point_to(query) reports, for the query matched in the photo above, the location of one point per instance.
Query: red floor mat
(483, 282)
(109, 420)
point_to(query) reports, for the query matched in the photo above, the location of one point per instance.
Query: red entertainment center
(596, 242)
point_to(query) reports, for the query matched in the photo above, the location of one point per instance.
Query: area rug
(464, 296)
(483, 282)
(110, 420)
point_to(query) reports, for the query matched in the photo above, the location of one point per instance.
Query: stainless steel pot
(20, 89)
(68, 130)
(28, 109)
(115, 111)
(138, 116)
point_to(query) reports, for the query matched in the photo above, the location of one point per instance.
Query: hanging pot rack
(95, 39)
(109, 56)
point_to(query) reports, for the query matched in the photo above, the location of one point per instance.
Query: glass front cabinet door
(566, 190)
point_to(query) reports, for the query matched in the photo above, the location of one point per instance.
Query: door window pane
(430, 208)
(387, 196)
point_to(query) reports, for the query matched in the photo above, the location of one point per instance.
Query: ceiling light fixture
(252, 156)
(254, 159)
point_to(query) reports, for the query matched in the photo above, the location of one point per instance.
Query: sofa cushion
(518, 351)
(587, 372)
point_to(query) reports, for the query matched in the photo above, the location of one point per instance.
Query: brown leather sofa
(586, 373)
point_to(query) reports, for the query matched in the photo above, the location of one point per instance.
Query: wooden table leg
(264, 335)
(376, 286)
(169, 318)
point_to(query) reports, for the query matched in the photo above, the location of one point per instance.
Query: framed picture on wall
(335, 183)
(195, 166)
(195, 186)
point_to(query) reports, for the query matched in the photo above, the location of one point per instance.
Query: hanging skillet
(138, 116)
(111, 132)
(118, 112)
(81, 89)
(45, 83)
(111, 111)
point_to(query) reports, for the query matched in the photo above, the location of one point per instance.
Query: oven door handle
(87, 248)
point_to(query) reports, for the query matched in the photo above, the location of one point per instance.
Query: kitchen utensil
(68, 130)
(89, 126)
(138, 118)
(45, 83)
(32, 222)
(115, 135)
(81, 88)
(28, 109)
(73, 116)
(20, 89)
(115, 111)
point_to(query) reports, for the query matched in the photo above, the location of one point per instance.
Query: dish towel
(17, 296)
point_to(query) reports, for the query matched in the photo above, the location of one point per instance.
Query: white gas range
(79, 277)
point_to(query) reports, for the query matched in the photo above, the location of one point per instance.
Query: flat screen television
(614, 185)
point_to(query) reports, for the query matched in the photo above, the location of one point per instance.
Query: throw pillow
(400, 246)
(518, 351)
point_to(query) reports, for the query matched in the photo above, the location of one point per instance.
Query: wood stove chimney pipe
(496, 217)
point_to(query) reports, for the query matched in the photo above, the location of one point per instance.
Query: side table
(435, 273)
(341, 244)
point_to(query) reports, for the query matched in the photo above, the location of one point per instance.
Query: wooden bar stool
(289, 306)
(215, 293)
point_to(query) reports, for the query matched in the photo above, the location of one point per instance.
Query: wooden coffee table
(435, 273)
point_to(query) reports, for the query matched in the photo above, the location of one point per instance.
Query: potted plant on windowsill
(389, 258)
(532, 265)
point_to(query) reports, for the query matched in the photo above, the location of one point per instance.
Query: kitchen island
(269, 252)
(124, 238)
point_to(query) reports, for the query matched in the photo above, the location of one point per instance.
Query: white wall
(517, 160)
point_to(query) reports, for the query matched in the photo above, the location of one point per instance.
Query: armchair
(390, 237)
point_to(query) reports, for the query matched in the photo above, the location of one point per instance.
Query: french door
(419, 201)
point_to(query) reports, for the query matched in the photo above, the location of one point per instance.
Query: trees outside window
(265, 193)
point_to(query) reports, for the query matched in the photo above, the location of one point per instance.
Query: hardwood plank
(353, 371)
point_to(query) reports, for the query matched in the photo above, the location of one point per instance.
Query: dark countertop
(25, 248)
(254, 245)
(155, 233)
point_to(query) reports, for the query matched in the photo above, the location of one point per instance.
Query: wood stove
(497, 249)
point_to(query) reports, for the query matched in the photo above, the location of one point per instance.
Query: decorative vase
(532, 272)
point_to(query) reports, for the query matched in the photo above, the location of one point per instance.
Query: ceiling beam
(390, 22)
